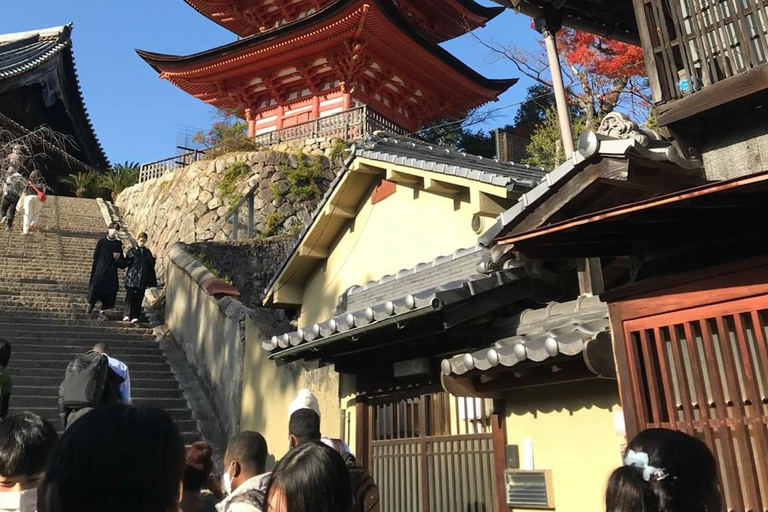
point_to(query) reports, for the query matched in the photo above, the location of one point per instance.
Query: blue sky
(137, 116)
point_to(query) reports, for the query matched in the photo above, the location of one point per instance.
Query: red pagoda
(301, 60)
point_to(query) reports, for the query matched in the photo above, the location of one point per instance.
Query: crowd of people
(121, 458)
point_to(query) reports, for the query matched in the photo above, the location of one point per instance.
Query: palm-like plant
(80, 182)
(118, 181)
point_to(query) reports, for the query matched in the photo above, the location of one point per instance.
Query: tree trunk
(80, 192)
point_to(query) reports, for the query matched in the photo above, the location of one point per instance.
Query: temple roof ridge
(43, 33)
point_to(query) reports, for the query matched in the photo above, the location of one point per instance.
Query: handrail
(156, 169)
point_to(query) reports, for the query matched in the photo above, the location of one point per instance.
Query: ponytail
(629, 492)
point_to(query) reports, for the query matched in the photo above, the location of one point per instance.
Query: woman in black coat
(140, 276)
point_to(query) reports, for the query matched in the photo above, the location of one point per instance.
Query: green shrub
(273, 221)
(231, 179)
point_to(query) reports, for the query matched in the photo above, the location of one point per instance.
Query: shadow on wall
(571, 398)
(269, 389)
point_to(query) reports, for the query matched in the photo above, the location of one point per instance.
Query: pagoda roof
(44, 58)
(440, 19)
(375, 27)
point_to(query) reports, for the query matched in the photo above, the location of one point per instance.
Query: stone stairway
(43, 290)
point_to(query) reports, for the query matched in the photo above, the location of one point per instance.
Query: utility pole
(549, 25)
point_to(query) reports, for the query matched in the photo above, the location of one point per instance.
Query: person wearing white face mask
(140, 276)
(244, 478)
(107, 258)
(26, 441)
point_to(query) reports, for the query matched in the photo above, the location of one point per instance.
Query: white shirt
(121, 369)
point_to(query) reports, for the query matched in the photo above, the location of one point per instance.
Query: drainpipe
(549, 25)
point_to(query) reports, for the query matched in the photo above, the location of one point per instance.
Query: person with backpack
(13, 186)
(304, 427)
(89, 383)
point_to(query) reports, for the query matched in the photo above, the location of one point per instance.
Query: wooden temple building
(364, 64)
(39, 86)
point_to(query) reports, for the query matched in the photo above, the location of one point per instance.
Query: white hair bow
(640, 461)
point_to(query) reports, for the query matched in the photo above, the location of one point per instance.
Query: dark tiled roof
(591, 146)
(25, 52)
(396, 149)
(560, 328)
(397, 308)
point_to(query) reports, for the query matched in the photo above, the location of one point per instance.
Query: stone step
(179, 415)
(137, 391)
(53, 382)
(74, 335)
(92, 326)
(57, 372)
(28, 365)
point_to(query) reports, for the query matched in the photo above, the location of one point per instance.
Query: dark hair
(114, 225)
(249, 448)
(304, 425)
(197, 466)
(26, 441)
(312, 478)
(685, 480)
(5, 352)
(118, 458)
(101, 347)
(142, 235)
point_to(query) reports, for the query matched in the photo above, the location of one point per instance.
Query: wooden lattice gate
(434, 453)
(694, 357)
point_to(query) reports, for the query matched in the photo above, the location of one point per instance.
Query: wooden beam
(317, 253)
(401, 177)
(344, 212)
(287, 294)
(369, 169)
(720, 93)
(488, 205)
(441, 187)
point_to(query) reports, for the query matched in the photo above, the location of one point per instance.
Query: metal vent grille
(529, 489)
(478, 223)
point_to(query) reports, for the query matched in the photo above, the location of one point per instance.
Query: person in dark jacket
(107, 258)
(140, 276)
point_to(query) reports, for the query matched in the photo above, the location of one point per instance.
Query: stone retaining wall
(188, 204)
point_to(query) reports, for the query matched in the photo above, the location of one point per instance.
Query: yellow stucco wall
(407, 228)
(269, 389)
(574, 434)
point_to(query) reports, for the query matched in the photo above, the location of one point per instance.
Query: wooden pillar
(499, 439)
(280, 114)
(251, 123)
(347, 101)
(362, 435)
(549, 26)
(315, 107)
(590, 276)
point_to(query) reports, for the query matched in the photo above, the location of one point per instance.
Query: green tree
(80, 182)
(228, 134)
(546, 147)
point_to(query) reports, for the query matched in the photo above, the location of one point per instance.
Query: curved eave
(481, 11)
(174, 63)
(61, 55)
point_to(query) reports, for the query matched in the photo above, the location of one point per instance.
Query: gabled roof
(418, 154)
(28, 57)
(617, 138)
(389, 150)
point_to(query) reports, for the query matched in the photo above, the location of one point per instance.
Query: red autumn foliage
(601, 56)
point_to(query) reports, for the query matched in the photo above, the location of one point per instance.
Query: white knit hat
(304, 400)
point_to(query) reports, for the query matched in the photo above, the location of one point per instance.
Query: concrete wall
(211, 333)
(421, 224)
(269, 389)
(573, 432)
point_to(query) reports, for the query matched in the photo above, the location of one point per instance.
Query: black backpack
(365, 492)
(88, 383)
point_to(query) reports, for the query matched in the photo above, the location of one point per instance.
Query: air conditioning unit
(529, 489)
